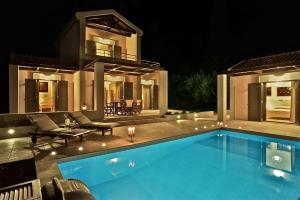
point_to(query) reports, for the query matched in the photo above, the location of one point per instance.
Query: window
(283, 91)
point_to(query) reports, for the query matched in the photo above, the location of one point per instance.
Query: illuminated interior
(113, 87)
(103, 43)
(147, 86)
(46, 96)
(279, 101)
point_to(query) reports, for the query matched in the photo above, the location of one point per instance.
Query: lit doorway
(146, 97)
(46, 93)
(280, 101)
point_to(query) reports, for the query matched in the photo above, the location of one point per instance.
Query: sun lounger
(21, 191)
(85, 122)
(66, 189)
(47, 127)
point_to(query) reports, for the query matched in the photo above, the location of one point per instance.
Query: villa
(99, 79)
(100, 62)
(262, 89)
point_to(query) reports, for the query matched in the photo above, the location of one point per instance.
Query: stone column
(163, 92)
(79, 90)
(99, 89)
(222, 97)
(13, 89)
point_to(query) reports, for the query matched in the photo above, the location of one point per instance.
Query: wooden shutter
(155, 97)
(256, 102)
(61, 100)
(31, 95)
(128, 90)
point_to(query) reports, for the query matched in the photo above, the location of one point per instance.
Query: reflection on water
(275, 156)
(279, 156)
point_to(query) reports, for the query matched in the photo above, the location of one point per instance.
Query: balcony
(108, 50)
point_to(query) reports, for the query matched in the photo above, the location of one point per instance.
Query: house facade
(100, 62)
(262, 89)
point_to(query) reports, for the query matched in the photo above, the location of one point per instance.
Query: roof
(288, 61)
(50, 64)
(110, 20)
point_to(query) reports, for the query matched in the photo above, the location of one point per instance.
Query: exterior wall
(23, 74)
(13, 89)
(70, 79)
(83, 90)
(222, 97)
(131, 45)
(69, 43)
(163, 92)
(240, 89)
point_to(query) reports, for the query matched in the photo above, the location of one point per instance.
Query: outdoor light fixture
(131, 133)
(103, 144)
(80, 148)
(212, 125)
(221, 123)
(178, 116)
(84, 107)
(204, 127)
(225, 125)
(195, 115)
(53, 153)
(196, 129)
(240, 127)
(11, 131)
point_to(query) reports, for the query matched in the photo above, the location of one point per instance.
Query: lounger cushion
(106, 124)
(43, 122)
(80, 118)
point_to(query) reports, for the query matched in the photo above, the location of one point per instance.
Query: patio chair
(45, 126)
(66, 189)
(85, 122)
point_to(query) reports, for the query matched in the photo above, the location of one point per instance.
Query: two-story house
(100, 62)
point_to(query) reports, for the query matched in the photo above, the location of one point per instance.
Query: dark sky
(183, 36)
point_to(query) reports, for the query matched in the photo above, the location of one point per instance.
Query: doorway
(280, 102)
(46, 95)
(146, 97)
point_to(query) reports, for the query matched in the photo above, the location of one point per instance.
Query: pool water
(216, 165)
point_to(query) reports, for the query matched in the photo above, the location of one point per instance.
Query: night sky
(184, 36)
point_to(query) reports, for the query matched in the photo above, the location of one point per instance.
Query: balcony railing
(92, 48)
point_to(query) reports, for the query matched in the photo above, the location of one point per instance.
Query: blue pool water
(216, 165)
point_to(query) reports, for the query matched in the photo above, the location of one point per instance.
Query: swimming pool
(216, 165)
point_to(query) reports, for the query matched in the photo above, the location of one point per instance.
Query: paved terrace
(46, 165)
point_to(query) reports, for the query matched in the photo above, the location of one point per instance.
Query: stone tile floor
(43, 151)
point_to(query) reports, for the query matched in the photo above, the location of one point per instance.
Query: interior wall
(241, 95)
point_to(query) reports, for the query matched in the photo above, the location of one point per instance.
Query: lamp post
(131, 133)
